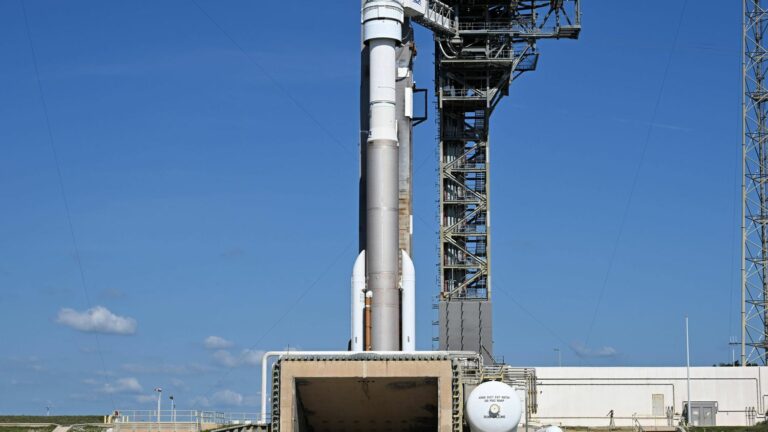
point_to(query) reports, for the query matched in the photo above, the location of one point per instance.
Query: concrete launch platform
(364, 393)
(380, 391)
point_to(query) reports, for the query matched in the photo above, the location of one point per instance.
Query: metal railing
(184, 416)
(439, 17)
(523, 24)
(448, 92)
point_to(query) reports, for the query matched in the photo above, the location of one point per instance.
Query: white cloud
(25, 362)
(112, 293)
(251, 357)
(583, 351)
(253, 400)
(225, 358)
(146, 399)
(201, 402)
(246, 357)
(227, 397)
(96, 320)
(121, 385)
(166, 369)
(217, 342)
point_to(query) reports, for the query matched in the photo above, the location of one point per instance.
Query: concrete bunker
(368, 393)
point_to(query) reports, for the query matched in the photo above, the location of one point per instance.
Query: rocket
(383, 275)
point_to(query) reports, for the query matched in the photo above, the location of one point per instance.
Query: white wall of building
(583, 396)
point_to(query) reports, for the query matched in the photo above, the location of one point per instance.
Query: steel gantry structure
(754, 228)
(494, 43)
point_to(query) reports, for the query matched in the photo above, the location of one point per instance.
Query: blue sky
(214, 193)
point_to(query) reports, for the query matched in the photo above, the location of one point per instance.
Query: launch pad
(382, 391)
(382, 383)
(367, 392)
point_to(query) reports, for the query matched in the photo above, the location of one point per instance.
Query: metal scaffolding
(493, 43)
(754, 229)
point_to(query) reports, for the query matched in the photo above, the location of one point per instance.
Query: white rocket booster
(376, 273)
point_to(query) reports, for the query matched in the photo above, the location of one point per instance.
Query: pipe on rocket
(367, 321)
(357, 303)
(408, 304)
(382, 31)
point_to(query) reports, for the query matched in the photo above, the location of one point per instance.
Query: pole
(688, 370)
(526, 413)
(159, 399)
(559, 357)
(173, 411)
(743, 185)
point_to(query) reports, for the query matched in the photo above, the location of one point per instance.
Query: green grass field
(26, 429)
(59, 420)
(53, 420)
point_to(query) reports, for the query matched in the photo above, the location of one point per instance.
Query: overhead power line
(62, 188)
(636, 176)
(274, 81)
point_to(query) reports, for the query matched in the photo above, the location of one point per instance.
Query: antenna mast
(754, 189)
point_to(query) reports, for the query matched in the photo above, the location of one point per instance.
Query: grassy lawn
(59, 420)
(26, 429)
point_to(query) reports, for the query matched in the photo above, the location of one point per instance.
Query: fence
(177, 420)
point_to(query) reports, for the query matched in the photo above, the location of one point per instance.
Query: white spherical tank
(493, 407)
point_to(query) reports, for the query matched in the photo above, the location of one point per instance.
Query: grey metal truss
(494, 42)
(754, 280)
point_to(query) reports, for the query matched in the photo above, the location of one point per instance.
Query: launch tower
(494, 42)
(382, 382)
